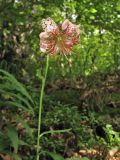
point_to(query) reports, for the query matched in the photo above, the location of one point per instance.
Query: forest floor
(97, 93)
(96, 154)
(104, 90)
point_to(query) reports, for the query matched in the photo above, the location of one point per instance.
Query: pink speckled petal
(65, 24)
(44, 35)
(70, 28)
(54, 41)
(49, 25)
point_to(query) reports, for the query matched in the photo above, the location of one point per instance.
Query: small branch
(54, 131)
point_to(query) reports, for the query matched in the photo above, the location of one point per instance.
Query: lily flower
(55, 40)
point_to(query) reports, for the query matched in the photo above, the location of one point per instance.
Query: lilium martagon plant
(53, 41)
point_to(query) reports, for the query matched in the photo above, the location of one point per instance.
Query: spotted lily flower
(56, 40)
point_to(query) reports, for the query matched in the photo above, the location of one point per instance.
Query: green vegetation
(80, 93)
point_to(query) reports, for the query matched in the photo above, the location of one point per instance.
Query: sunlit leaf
(55, 156)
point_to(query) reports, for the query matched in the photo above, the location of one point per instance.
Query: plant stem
(41, 105)
(54, 131)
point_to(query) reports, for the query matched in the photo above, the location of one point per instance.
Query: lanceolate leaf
(19, 95)
(55, 156)
(17, 85)
(9, 103)
(16, 157)
(13, 136)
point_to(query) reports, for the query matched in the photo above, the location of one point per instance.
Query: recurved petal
(77, 30)
(43, 49)
(49, 25)
(70, 28)
(43, 35)
(65, 24)
(44, 46)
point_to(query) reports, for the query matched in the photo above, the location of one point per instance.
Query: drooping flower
(56, 40)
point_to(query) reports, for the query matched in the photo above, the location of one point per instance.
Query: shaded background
(82, 93)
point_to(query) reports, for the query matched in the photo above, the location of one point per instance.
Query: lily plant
(53, 41)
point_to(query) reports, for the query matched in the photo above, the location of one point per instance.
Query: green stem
(41, 105)
(54, 131)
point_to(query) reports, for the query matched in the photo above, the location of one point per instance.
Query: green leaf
(2, 146)
(12, 79)
(16, 96)
(3, 142)
(84, 158)
(9, 103)
(55, 156)
(24, 124)
(13, 136)
(16, 157)
(22, 143)
(10, 85)
(92, 17)
(93, 10)
(118, 7)
(77, 158)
